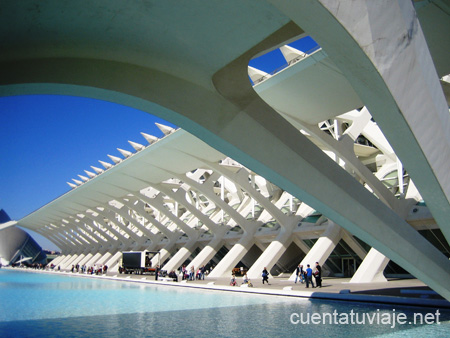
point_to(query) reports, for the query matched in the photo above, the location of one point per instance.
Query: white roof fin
(125, 153)
(115, 159)
(136, 146)
(291, 53)
(106, 164)
(97, 170)
(71, 185)
(77, 181)
(84, 178)
(150, 138)
(90, 174)
(256, 74)
(165, 129)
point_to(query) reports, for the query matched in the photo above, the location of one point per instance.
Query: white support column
(66, 258)
(79, 258)
(104, 258)
(209, 250)
(371, 268)
(113, 262)
(164, 253)
(94, 259)
(86, 258)
(274, 251)
(57, 260)
(182, 254)
(233, 256)
(322, 248)
(67, 264)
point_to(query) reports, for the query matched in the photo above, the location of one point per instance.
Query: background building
(17, 246)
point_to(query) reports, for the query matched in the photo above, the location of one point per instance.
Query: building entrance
(348, 266)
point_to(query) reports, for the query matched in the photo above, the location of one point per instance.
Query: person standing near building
(202, 272)
(192, 273)
(318, 275)
(157, 272)
(299, 274)
(309, 276)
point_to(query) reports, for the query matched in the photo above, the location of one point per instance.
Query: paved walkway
(410, 292)
(395, 287)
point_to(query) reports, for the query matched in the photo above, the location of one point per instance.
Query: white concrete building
(345, 152)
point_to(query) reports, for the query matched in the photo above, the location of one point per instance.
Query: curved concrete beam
(242, 126)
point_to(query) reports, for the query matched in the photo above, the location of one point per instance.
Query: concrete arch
(237, 118)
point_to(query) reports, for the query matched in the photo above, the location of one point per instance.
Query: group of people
(245, 280)
(102, 269)
(302, 275)
(192, 274)
(306, 275)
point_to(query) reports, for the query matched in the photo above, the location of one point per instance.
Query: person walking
(265, 276)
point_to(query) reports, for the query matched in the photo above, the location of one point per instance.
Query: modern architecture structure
(343, 152)
(17, 246)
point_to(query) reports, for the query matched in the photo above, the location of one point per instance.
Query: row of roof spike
(289, 53)
(256, 75)
(137, 146)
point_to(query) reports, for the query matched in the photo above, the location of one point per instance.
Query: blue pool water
(47, 305)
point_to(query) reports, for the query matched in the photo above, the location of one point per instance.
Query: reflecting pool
(53, 305)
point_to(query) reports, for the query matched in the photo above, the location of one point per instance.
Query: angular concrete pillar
(113, 262)
(104, 258)
(86, 259)
(233, 256)
(208, 251)
(94, 258)
(164, 253)
(68, 263)
(273, 252)
(371, 268)
(322, 248)
(62, 263)
(182, 254)
(79, 259)
(57, 260)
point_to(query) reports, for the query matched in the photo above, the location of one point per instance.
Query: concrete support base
(62, 263)
(85, 259)
(94, 259)
(67, 264)
(79, 259)
(104, 258)
(57, 260)
(113, 262)
(164, 253)
(322, 248)
(371, 268)
(182, 254)
(233, 257)
(206, 254)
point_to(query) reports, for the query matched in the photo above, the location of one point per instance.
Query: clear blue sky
(47, 140)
